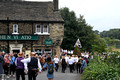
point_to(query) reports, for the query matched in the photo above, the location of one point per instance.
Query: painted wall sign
(48, 42)
(18, 37)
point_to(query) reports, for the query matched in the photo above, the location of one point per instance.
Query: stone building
(30, 26)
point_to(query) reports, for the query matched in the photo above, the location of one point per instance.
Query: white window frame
(14, 29)
(42, 30)
(36, 29)
(47, 29)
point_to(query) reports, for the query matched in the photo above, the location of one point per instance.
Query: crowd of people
(74, 62)
(34, 64)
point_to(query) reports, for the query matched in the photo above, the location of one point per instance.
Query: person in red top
(6, 65)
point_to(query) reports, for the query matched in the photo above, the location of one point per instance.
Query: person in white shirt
(32, 65)
(76, 59)
(82, 54)
(86, 54)
(75, 62)
(66, 58)
(56, 60)
(70, 62)
(73, 58)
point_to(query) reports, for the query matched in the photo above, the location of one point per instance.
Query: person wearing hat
(20, 67)
(32, 66)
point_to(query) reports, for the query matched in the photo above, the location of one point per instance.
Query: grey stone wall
(56, 34)
(23, 28)
(3, 28)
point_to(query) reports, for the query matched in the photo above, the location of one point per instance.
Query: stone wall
(23, 28)
(3, 28)
(56, 34)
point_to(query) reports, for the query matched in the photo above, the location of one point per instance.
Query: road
(58, 76)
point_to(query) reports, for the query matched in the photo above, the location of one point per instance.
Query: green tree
(77, 51)
(112, 33)
(85, 34)
(99, 44)
(112, 42)
(69, 25)
(96, 32)
(78, 28)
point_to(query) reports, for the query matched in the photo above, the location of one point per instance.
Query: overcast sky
(101, 14)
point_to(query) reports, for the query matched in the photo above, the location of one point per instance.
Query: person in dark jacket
(3, 53)
(79, 65)
(32, 65)
(63, 63)
(1, 65)
(20, 67)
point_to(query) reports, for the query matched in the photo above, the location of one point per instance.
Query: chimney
(55, 3)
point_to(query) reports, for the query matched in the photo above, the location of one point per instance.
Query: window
(45, 29)
(15, 29)
(42, 29)
(38, 28)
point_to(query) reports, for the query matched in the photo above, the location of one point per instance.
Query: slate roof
(29, 11)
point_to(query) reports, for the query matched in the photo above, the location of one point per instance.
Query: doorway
(16, 51)
(16, 48)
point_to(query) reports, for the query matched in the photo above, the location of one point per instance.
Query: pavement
(57, 76)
